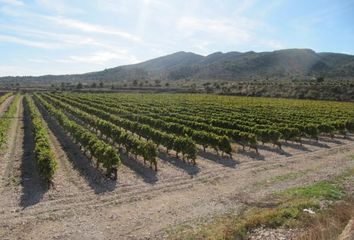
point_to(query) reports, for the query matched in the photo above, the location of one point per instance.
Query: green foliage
(290, 133)
(311, 130)
(6, 119)
(183, 122)
(320, 191)
(101, 151)
(350, 125)
(43, 153)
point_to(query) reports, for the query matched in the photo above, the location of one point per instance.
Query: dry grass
(331, 222)
(333, 209)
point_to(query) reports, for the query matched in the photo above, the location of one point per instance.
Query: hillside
(281, 64)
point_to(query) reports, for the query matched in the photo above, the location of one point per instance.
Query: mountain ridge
(286, 63)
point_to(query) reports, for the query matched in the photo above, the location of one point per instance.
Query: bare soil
(143, 204)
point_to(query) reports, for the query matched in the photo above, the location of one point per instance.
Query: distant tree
(320, 79)
(209, 89)
(135, 83)
(226, 90)
(101, 85)
(94, 85)
(79, 85)
(167, 84)
(157, 82)
(194, 86)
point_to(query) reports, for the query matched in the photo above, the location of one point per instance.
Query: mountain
(170, 62)
(281, 64)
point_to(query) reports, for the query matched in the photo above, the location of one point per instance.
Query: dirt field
(143, 204)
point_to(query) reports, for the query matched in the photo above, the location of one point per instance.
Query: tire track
(120, 197)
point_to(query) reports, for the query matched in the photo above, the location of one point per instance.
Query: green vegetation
(43, 153)
(6, 119)
(140, 124)
(320, 191)
(104, 153)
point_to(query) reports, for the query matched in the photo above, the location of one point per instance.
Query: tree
(157, 82)
(101, 85)
(194, 86)
(79, 85)
(94, 85)
(320, 79)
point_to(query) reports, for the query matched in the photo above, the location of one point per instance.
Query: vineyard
(64, 151)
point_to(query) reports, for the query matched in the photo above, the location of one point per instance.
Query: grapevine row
(132, 144)
(43, 153)
(179, 144)
(6, 119)
(101, 151)
(204, 138)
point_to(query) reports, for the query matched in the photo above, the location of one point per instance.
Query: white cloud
(29, 43)
(101, 57)
(273, 44)
(37, 60)
(93, 28)
(237, 31)
(12, 70)
(244, 5)
(270, 7)
(66, 40)
(16, 3)
(58, 6)
(71, 24)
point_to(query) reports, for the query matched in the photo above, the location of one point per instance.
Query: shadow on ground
(95, 178)
(143, 171)
(192, 170)
(33, 188)
(314, 143)
(251, 154)
(274, 150)
(226, 160)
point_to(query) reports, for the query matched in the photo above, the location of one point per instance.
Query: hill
(281, 64)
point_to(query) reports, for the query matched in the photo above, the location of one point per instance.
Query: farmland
(133, 165)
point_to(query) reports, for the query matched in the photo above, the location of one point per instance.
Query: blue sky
(71, 36)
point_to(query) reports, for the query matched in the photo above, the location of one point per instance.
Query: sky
(40, 37)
